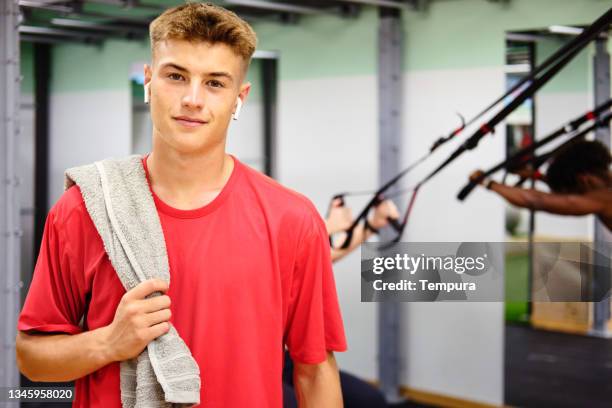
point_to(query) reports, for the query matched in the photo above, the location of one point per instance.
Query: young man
(580, 179)
(249, 260)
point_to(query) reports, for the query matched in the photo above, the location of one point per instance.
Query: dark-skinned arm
(562, 204)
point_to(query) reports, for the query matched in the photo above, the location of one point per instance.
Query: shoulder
(85, 178)
(604, 199)
(289, 204)
(70, 208)
(283, 197)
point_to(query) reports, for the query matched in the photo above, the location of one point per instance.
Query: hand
(340, 218)
(524, 172)
(138, 320)
(476, 175)
(382, 213)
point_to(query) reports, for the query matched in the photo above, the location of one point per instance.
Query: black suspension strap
(530, 85)
(572, 126)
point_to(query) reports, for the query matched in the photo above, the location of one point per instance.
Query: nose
(193, 99)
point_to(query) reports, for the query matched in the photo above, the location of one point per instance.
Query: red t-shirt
(250, 272)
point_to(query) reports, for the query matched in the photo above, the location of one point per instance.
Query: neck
(188, 180)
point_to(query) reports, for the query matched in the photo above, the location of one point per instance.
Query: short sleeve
(56, 300)
(314, 319)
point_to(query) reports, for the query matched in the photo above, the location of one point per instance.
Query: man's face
(194, 87)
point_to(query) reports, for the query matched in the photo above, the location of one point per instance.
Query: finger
(347, 224)
(155, 303)
(145, 288)
(388, 202)
(160, 316)
(337, 202)
(159, 329)
(393, 212)
(386, 208)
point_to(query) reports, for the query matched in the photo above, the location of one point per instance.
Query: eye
(175, 77)
(216, 84)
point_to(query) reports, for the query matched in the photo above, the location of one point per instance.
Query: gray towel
(120, 204)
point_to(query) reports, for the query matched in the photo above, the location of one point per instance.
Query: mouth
(188, 121)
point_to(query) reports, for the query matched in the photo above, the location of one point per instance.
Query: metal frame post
(390, 101)
(42, 80)
(602, 237)
(532, 215)
(10, 234)
(269, 77)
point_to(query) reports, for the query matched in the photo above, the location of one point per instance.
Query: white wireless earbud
(147, 93)
(238, 107)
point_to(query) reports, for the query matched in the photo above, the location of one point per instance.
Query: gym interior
(347, 94)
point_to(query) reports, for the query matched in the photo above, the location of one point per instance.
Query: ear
(241, 99)
(589, 181)
(245, 88)
(148, 73)
(147, 83)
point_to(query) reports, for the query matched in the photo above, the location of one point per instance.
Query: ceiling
(93, 21)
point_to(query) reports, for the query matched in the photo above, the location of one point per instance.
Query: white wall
(84, 127)
(453, 349)
(245, 138)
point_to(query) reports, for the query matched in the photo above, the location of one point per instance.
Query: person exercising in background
(580, 181)
(340, 218)
(356, 392)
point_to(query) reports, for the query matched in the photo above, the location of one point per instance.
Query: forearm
(318, 385)
(515, 195)
(360, 234)
(61, 357)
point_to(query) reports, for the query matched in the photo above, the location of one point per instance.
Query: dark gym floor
(548, 369)
(409, 405)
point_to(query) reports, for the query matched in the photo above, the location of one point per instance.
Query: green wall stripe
(77, 67)
(323, 46)
(459, 34)
(575, 77)
(27, 67)
(470, 33)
